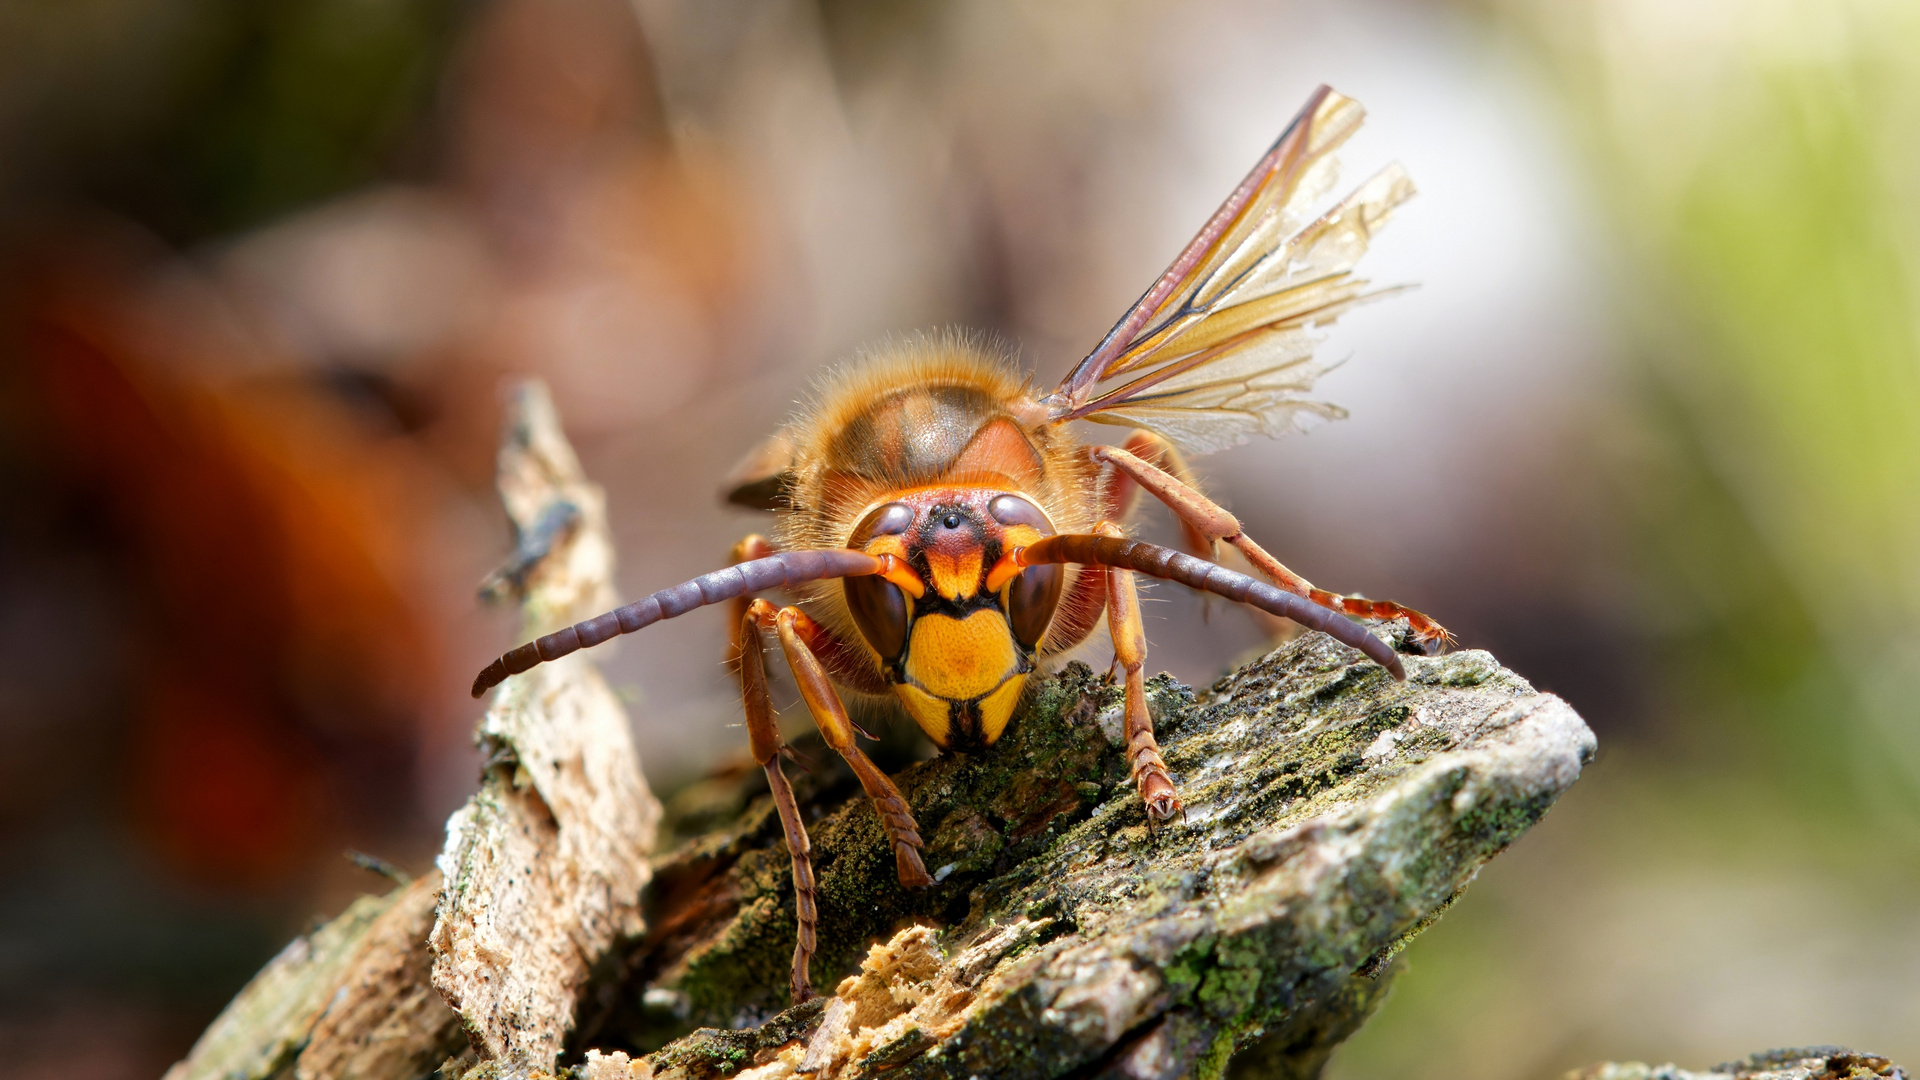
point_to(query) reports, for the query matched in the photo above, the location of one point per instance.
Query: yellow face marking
(1019, 536)
(997, 708)
(956, 577)
(961, 659)
(928, 711)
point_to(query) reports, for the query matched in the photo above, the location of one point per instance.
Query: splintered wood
(544, 865)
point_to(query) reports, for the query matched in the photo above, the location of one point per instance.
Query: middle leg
(1130, 649)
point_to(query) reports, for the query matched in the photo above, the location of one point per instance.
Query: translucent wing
(1221, 347)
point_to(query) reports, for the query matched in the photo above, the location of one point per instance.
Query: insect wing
(1282, 171)
(1257, 388)
(1221, 347)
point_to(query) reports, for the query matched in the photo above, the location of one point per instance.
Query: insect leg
(1214, 522)
(764, 738)
(849, 665)
(1122, 491)
(830, 715)
(1130, 648)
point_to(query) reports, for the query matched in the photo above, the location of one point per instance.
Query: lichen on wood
(1331, 813)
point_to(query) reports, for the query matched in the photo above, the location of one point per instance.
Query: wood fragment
(543, 867)
(1793, 1063)
(545, 864)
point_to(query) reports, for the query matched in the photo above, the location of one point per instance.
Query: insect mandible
(944, 535)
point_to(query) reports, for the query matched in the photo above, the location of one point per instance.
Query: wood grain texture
(1332, 814)
(545, 863)
(543, 867)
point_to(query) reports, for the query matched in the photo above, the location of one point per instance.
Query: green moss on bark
(1331, 812)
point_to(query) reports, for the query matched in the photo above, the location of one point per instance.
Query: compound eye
(1013, 510)
(879, 608)
(892, 519)
(1035, 593)
(880, 611)
(1031, 600)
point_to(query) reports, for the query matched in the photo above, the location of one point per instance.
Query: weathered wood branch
(349, 999)
(1797, 1063)
(544, 865)
(1331, 814)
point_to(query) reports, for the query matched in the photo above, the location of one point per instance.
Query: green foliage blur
(200, 118)
(1772, 265)
(1755, 169)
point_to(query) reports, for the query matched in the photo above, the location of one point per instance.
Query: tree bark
(1331, 815)
(1797, 1063)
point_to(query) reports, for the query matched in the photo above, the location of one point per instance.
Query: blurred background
(1649, 430)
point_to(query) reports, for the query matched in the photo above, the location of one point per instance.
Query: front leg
(1130, 649)
(764, 737)
(1214, 522)
(830, 716)
(849, 664)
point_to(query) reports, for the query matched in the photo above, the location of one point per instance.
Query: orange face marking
(955, 576)
(897, 571)
(1017, 539)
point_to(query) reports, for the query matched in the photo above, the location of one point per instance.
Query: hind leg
(1130, 649)
(1214, 522)
(1121, 491)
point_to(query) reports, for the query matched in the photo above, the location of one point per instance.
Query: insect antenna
(1156, 561)
(784, 570)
